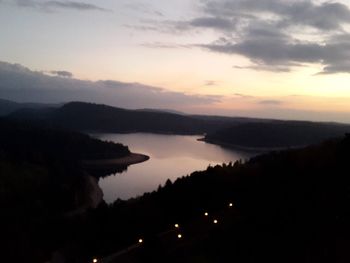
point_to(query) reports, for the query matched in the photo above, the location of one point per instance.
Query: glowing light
(94, 260)
(176, 225)
(230, 205)
(179, 236)
(140, 240)
(206, 214)
(215, 221)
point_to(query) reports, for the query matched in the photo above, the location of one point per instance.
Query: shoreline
(92, 193)
(132, 158)
(258, 150)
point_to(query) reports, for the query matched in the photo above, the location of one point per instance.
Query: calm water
(172, 156)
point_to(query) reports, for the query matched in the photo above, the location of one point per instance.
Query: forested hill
(24, 140)
(42, 179)
(8, 107)
(101, 118)
(242, 132)
(277, 134)
(290, 206)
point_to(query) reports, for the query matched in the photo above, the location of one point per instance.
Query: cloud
(210, 83)
(281, 54)
(21, 84)
(73, 5)
(286, 13)
(55, 5)
(270, 102)
(144, 8)
(272, 44)
(165, 45)
(275, 35)
(62, 73)
(243, 96)
(170, 26)
(213, 22)
(263, 67)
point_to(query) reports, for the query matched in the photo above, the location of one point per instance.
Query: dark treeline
(277, 134)
(41, 179)
(290, 206)
(8, 107)
(243, 132)
(23, 139)
(101, 118)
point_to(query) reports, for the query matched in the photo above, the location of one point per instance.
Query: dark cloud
(22, 84)
(282, 54)
(62, 73)
(54, 5)
(169, 26)
(262, 67)
(271, 46)
(213, 22)
(275, 35)
(228, 15)
(323, 16)
(272, 52)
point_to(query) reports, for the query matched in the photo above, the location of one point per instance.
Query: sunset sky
(259, 58)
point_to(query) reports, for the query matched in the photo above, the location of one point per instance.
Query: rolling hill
(240, 132)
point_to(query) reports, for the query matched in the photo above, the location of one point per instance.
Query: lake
(171, 156)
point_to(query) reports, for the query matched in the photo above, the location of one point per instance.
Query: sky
(286, 59)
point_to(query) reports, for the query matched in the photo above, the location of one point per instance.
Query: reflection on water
(172, 156)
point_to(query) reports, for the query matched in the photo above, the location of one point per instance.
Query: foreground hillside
(290, 206)
(41, 180)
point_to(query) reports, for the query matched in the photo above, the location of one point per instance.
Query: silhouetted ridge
(230, 131)
(8, 107)
(24, 140)
(94, 117)
(277, 134)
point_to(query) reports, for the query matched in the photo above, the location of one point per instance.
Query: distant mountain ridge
(7, 107)
(163, 110)
(227, 131)
(102, 118)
